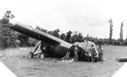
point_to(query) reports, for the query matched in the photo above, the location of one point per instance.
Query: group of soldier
(89, 52)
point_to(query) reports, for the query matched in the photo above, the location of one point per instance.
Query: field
(17, 60)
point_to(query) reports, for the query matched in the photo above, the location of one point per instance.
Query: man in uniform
(93, 54)
(100, 51)
(72, 53)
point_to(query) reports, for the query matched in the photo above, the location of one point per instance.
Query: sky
(85, 16)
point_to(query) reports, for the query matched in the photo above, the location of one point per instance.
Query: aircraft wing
(34, 33)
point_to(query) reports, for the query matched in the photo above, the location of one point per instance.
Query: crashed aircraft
(56, 46)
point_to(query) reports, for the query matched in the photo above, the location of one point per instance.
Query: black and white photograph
(63, 38)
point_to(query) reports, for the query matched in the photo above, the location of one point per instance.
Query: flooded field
(17, 60)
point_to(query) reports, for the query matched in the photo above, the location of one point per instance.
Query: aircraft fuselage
(57, 47)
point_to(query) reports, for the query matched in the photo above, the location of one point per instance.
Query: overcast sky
(85, 16)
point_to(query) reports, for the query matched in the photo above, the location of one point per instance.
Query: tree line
(11, 38)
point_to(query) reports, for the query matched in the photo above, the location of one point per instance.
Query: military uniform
(100, 51)
(93, 54)
(72, 53)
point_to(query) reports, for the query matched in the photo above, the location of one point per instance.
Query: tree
(74, 38)
(68, 36)
(63, 36)
(121, 33)
(8, 37)
(80, 37)
(56, 32)
(24, 40)
(9, 15)
(111, 30)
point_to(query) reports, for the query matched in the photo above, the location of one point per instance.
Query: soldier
(93, 53)
(68, 53)
(76, 51)
(100, 51)
(72, 53)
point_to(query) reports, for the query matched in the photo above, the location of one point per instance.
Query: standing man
(76, 51)
(88, 45)
(93, 53)
(100, 51)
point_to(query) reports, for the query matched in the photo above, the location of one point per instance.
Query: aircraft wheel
(31, 54)
(42, 56)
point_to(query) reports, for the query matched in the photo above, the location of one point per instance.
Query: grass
(22, 66)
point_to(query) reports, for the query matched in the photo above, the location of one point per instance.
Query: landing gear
(42, 56)
(38, 55)
(31, 54)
